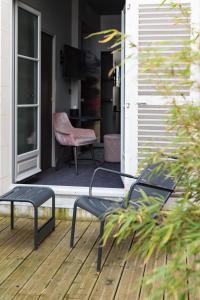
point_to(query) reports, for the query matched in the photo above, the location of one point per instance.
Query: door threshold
(66, 195)
(79, 190)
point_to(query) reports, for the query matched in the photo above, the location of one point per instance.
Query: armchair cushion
(67, 135)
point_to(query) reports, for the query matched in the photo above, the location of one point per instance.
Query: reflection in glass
(27, 33)
(27, 81)
(27, 129)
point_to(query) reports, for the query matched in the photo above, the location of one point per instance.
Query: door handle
(128, 105)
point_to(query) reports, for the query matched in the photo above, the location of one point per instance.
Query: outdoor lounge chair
(153, 181)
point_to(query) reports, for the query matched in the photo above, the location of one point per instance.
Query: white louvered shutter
(151, 25)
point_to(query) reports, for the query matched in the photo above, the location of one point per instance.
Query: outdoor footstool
(36, 196)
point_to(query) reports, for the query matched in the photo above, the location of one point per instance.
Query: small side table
(36, 196)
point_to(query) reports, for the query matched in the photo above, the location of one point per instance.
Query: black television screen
(73, 63)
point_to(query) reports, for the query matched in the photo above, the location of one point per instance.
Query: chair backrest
(158, 176)
(154, 181)
(61, 123)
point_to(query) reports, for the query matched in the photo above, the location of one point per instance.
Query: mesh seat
(97, 206)
(35, 195)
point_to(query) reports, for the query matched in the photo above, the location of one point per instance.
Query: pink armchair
(67, 135)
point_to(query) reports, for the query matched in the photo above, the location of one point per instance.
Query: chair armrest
(107, 171)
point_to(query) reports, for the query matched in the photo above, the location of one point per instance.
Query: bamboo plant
(175, 231)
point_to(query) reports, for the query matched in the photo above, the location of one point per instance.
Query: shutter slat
(167, 30)
(153, 133)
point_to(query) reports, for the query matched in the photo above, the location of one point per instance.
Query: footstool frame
(35, 196)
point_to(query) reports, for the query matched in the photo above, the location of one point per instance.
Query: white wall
(5, 94)
(56, 20)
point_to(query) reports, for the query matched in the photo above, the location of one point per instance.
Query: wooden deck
(55, 271)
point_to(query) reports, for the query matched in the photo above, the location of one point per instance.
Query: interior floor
(66, 176)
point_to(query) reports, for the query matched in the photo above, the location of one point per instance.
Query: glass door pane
(27, 81)
(27, 33)
(27, 130)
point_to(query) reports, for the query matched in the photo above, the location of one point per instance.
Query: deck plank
(72, 265)
(29, 262)
(10, 240)
(84, 283)
(130, 284)
(167, 296)
(55, 271)
(7, 233)
(170, 256)
(26, 297)
(44, 274)
(109, 278)
(156, 261)
(4, 223)
(14, 251)
(195, 294)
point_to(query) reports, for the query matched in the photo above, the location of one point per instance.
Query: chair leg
(93, 156)
(12, 215)
(76, 159)
(53, 211)
(100, 246)
(73, 226)
(36, 242)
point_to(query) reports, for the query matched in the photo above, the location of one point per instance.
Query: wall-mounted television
(73, 63)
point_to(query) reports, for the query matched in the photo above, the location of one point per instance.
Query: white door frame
(130, 96)
(53, 98)
(122, 118)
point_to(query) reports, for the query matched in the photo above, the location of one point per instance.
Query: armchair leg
(100, 246)
(76, 159)
(73, 226)
(12, 215)
(36, 242)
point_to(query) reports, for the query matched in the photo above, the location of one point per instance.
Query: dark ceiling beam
(107, 7)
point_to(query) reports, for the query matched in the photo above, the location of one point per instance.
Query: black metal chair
(153, 181)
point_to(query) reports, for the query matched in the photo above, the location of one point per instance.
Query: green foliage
(175, 231)
(110, 35)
